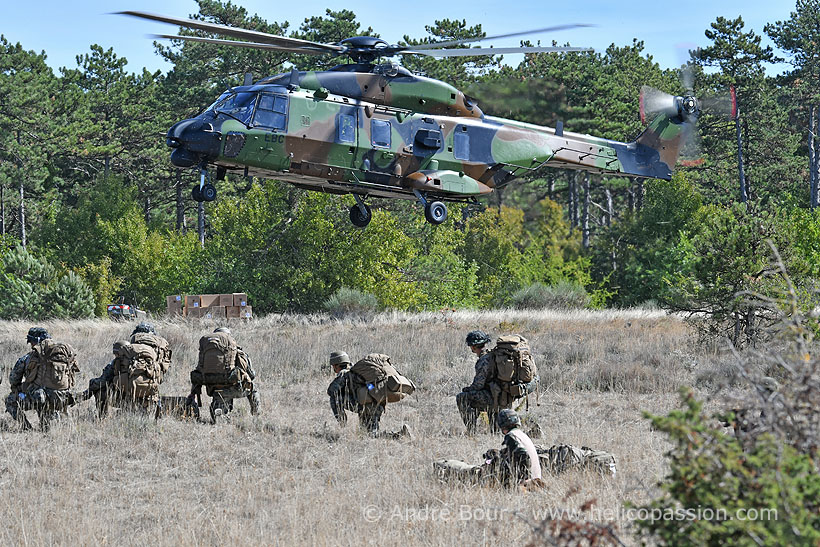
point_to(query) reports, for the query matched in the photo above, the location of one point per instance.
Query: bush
(346, 302)
(564, 295)
(714, 488)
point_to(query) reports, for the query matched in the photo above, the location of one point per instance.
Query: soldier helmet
(508, 419)
(118, 345)
(144, 327)
(226, 330)
(339, 358)
(36, 335)
(770, 384)
(477, 338)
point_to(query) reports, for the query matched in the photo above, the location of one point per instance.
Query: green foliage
(32, 288)
(712, 476)
(346, 302)
(562, 296)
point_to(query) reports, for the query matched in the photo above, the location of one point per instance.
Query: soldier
(41, 380)
(343, 396)
(226, 372)
(515, 464)
(477, 397)
(130, 380)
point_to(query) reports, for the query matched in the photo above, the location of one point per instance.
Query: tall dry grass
(293, 476)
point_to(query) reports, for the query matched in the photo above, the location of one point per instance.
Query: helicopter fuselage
(393, 135)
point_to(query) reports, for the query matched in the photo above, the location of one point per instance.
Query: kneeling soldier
(226, 372)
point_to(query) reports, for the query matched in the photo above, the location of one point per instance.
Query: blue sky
(66, 29)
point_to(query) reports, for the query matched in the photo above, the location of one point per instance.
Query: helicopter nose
(194, 141)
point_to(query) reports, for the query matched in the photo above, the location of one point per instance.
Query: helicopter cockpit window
(272, 111)
(380, 133)
(461, 143)
(238, 106)
(346, 128)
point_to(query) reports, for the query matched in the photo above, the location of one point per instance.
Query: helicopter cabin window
(380, 133)
(461, 143)
(272, 111)
(346, 126)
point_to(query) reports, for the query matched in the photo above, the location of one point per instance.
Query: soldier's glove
(85, 395)
(191, 400)
(465, 389)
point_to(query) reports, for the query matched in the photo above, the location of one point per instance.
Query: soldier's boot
(470, 418)
(254, 401)
(405, 432)
(216, 414)
(20, 417)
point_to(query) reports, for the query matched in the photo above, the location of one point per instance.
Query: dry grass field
(293, 476)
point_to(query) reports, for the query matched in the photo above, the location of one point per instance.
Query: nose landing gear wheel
(358, 218)
(196, 193)
(435, 212)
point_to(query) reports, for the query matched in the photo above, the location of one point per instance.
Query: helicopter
(376, 130)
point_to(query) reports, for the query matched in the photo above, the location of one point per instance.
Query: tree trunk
(22, 214)
(814, 161)
(585, 213)
(551, 191)
(147, 209)
(630, 196)
(2, 211)
(572, 190)
(180, 203)
(200, 225)
(639, 196)
(22, 197)
(741, 173)
(609, 207)
(107, 167)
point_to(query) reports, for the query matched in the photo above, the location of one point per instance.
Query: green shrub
(347, 302)
(715, 488)
(563, 295)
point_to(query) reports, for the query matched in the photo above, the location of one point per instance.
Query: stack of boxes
(210, 306)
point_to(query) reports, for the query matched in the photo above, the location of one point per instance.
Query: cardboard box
(240, 299)
(193, 312)
(192, 301)
(175, 309)
(245, 312)
(232, 312)
(214, 312)
(208, 300)
(174, 299)
(225, 300)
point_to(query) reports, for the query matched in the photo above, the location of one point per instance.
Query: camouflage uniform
(222, 396)
(25, 395)
(477, 397)
(516, 463)
(342, 393)
(106, 394)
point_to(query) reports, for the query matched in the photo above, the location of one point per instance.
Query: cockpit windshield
(238, 106)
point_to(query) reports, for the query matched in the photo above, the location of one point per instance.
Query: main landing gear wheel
(358, 218)
(206, 193)
(435, 212)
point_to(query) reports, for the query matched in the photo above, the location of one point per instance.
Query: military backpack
(563, 457)
(160, 346)
(217, 360)
(52, 365)
(380, 381)
(139, 371)
(513, 363)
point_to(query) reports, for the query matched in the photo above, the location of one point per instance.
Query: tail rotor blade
(654, 102)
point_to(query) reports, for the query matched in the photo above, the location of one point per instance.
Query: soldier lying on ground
(226, 372)
(42, 380)
(513, 465)
(349, 391)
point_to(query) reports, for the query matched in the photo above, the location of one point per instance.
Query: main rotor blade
(250, 35)
(469, 52)
(237, 43)
(510, 35)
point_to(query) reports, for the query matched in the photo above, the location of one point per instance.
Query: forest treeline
(91, 207)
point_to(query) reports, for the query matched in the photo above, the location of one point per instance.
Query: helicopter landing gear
(434, 211)
(204, 192)
(360, 214)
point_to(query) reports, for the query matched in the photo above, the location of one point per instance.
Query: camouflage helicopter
(377, 130)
